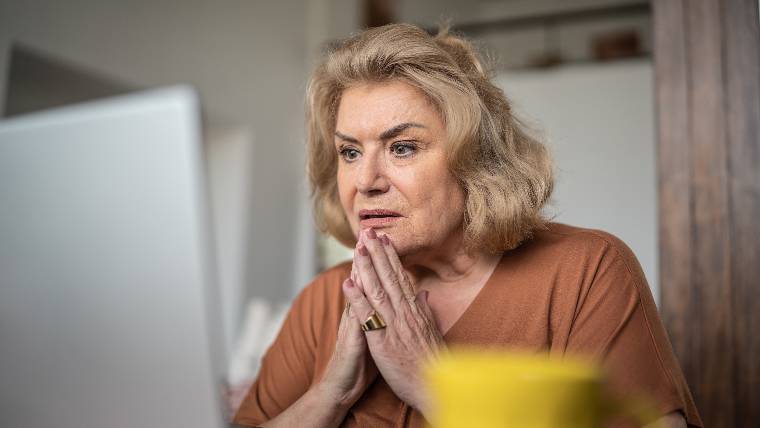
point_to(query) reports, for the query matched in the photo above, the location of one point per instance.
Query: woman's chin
(405, 249)
(397, 239)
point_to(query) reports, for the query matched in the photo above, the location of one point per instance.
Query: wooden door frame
(707, 70)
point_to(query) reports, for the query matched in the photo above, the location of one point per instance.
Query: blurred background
(581, 72)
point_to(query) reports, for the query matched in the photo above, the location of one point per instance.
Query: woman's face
(392, 167)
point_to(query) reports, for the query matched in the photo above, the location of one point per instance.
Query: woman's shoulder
(318, 306)
(564, 238)
(577, 253)
(326, 286)
(567, 233)
(333, 276)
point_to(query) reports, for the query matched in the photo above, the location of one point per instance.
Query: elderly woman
(417, 161)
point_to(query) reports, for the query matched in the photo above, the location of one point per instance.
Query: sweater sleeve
(617, 323)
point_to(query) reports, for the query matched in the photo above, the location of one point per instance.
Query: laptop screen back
(107, 306)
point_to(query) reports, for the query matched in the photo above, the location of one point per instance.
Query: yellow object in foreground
(489, 389)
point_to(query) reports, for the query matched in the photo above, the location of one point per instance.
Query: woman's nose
(372, 177)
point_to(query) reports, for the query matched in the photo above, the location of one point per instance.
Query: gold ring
(374, 322)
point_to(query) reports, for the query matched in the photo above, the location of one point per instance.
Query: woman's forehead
(374, 107)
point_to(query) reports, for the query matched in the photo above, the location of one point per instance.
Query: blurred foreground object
(501, 389)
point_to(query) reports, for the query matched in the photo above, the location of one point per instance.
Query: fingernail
(350, 283)
(371, 233)
(384, 239)
(363, 251)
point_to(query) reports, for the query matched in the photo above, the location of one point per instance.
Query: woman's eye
(403, 149)
(349, 154)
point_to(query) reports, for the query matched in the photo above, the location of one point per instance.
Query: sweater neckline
(453, 334)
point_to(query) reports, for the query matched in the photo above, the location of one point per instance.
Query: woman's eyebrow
(387, 134)
(346, 138)
(392, 132)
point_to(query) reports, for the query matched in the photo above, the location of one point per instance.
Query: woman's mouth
(377, 218)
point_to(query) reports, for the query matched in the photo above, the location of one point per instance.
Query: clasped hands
(379, 285)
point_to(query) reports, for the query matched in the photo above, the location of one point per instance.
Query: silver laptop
(108, 313)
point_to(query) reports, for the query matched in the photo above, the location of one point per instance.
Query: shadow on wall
(38, 81)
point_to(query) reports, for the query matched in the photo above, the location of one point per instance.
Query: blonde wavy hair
(506, 172)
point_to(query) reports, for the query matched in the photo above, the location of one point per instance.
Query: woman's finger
(372, 288)
(348, 329)
(360, 307)
(354, 271)
(407, 288)
(422, 303)
(388, 277)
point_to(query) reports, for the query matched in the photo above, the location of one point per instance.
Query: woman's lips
(377, 218)
(377, 222)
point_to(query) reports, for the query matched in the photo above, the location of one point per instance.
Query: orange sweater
(565, 291)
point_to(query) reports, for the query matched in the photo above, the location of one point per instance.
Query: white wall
(599, 121)
(228, 161)
(248, 59)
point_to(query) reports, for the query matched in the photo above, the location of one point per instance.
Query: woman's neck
(450, 264)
